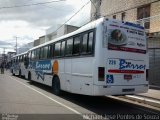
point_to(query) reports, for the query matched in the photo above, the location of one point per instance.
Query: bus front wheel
(13, 73)
(56, 86)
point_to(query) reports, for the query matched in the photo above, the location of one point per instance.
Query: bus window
(84, 43)
(19, 59)
(49, 53)
(22, 58)
(45, 52)
(63, 48)
(16, 59)
(57, 49)
(69, 47)
(29, 55)
(90, 42)
(53, 46)
(37, 53)
(41, 53)
(76, 45)
(32, 55)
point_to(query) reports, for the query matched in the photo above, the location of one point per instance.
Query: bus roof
(84, 28)
(20, 54)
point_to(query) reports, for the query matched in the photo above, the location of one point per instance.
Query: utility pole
(3, 54)
(16, 44)
(96, 4)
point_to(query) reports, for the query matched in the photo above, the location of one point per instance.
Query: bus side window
(49, 53)
(76, 45)
(29, 55)
(37, 53)
(22, 58)
(69, 47)
(57, 49)
(32, 55)
(90, 42)
(63, 44)
(84, 43)
(53, 46)
(45, 52)
(41, 52)
(16, 59)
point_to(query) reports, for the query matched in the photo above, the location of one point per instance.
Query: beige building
(146, 12)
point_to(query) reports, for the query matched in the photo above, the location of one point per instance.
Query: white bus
(104, 57)
(18, 66)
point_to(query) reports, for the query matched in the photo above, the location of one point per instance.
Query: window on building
(144, 12)
(123, 15)
(114, 16)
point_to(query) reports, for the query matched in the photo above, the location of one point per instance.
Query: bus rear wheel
(20, 73)
(56, 89)
(29, 76)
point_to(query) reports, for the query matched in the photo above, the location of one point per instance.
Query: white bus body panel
(121, 78)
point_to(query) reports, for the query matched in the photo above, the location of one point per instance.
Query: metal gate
(154, 61)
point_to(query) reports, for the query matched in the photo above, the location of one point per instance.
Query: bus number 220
(112, 62)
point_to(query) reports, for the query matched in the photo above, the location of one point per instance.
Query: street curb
(135, 102)
(144, 100)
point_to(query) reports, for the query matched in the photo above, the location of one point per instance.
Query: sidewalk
(152, 97)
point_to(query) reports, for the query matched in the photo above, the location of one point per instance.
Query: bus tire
(56, 88)
(20, 73)
(13, 73)
(29, 76)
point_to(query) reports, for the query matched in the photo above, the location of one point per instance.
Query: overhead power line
(33, 4)
(72, 16)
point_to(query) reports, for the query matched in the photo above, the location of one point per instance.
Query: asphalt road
(30, 100)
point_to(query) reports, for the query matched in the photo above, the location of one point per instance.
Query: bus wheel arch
(56, 85)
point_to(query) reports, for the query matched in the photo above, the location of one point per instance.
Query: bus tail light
(101, 73)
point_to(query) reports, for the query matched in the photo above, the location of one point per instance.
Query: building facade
(146, 12)
(51, 33)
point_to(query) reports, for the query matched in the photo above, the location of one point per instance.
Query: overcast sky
(30, 21)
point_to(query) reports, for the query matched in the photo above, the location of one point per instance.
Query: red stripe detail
(126, 71)
(114, 47)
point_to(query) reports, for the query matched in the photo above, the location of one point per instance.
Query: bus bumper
(120, 90)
